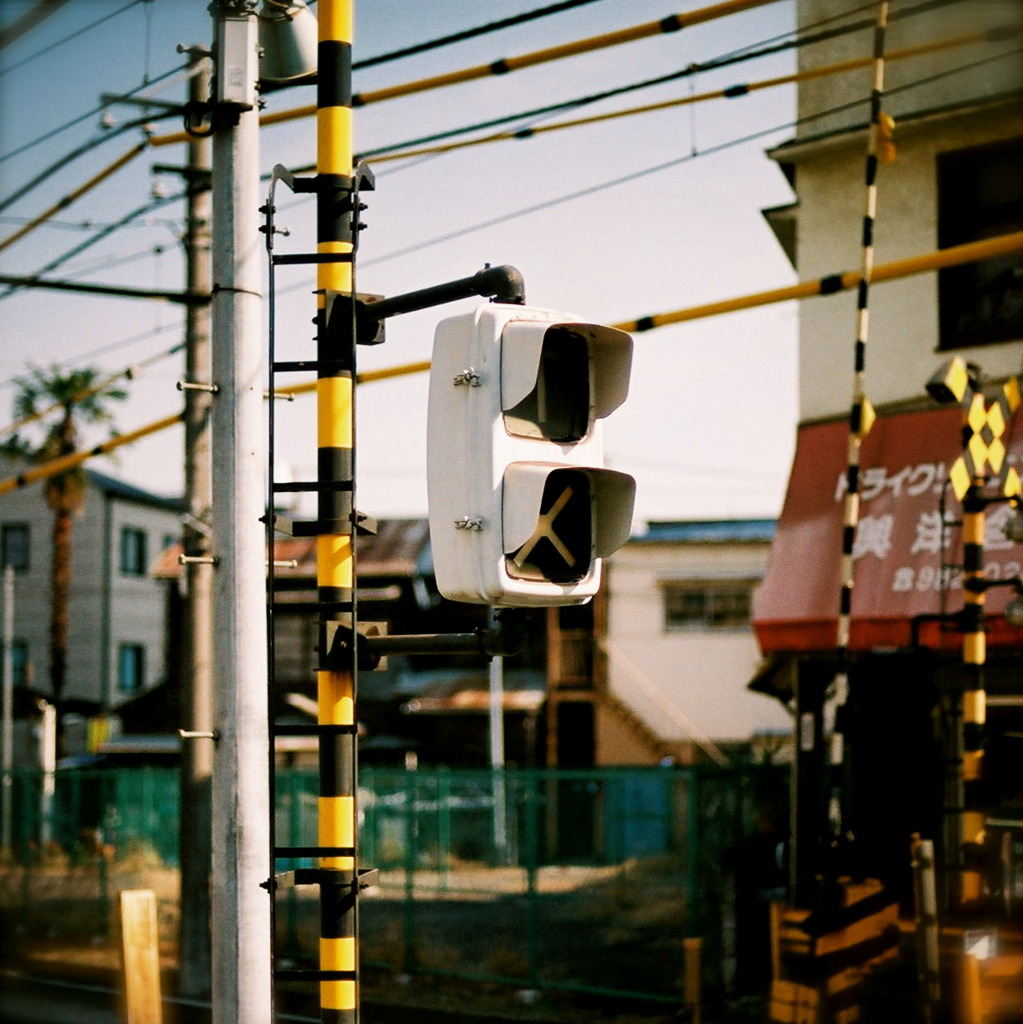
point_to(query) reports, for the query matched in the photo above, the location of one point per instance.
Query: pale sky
(709, 425)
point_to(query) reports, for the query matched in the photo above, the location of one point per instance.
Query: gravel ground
(612, 928)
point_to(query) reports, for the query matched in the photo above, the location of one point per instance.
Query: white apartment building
(117, 629)
(679, 646)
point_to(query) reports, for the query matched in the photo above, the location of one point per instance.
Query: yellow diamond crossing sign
(984, 452)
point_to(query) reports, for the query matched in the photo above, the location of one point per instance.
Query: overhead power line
(28, 21)
(105, 231)
(133, 339)
(469, 33)
(111, 133)
(61, 465)
(672, 23)
(570, 196)
(958, 255)
(101, 263)
(419, 246)
(67, 462)
(183, 298)
(807, 36)
(830, 284)
(128, 373)
(64, 202)
(770, 47)
(729, 92)
(675, 162)
(504, 66)
(77, 34)
(970, 252)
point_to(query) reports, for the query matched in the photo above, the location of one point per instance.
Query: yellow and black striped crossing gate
(825, 956)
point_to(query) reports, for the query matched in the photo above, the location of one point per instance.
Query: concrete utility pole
(48, 766)
(496, 744)
(196, 688)
(7, 712)
(242, 987)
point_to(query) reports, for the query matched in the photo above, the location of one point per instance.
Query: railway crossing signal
(522, 509)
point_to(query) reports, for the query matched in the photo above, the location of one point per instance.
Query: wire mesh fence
(580, 881)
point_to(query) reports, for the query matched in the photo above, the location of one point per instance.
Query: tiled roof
(396, 549)
(111, 485)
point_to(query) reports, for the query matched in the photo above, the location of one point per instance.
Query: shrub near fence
(583, 880)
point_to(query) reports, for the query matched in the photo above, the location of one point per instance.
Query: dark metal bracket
(502, 284)
(368, 877)
(505, 639)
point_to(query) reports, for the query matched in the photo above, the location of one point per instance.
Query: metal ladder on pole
(337, 875)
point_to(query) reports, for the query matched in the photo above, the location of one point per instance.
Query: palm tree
(82, 399)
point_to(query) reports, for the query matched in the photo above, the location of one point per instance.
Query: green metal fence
(581, 881)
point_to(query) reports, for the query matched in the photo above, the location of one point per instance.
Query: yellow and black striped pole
(335, 556)
(983, 461)
(983, 426)
(974, 705)
(861, 415)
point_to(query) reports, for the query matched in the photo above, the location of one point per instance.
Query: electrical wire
(728, 92)
(507, 65)
(66, 462)
(60, 225)
(717, 61)
(65, 201)
(672, 23)
(87, 147)
(109, 133)
(113, 346)
(624, 179)
(104, 232)
(636, 175)
(768, 47)
(109, 263)
(582, 193)
(128, 373)
(469, 33)
(74, 35)
(28, 21)
(730, 473)
(954, 256)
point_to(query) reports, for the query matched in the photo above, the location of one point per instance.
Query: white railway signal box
(522, 510)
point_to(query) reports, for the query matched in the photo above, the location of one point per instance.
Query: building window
(14, 546)
(980, 195)
(133, 551)
(19, 663)
(131, 668)
(707, 605)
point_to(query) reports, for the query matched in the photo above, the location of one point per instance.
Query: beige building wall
(945, 76)
(685, 685)
(952, 109)
(902, 349)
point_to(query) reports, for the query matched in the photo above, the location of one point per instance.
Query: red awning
(904, 465)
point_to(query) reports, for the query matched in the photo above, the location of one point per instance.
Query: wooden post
(776, 909)
(972, 1007)
(926, 902)
(140, 948)
(692, 950)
